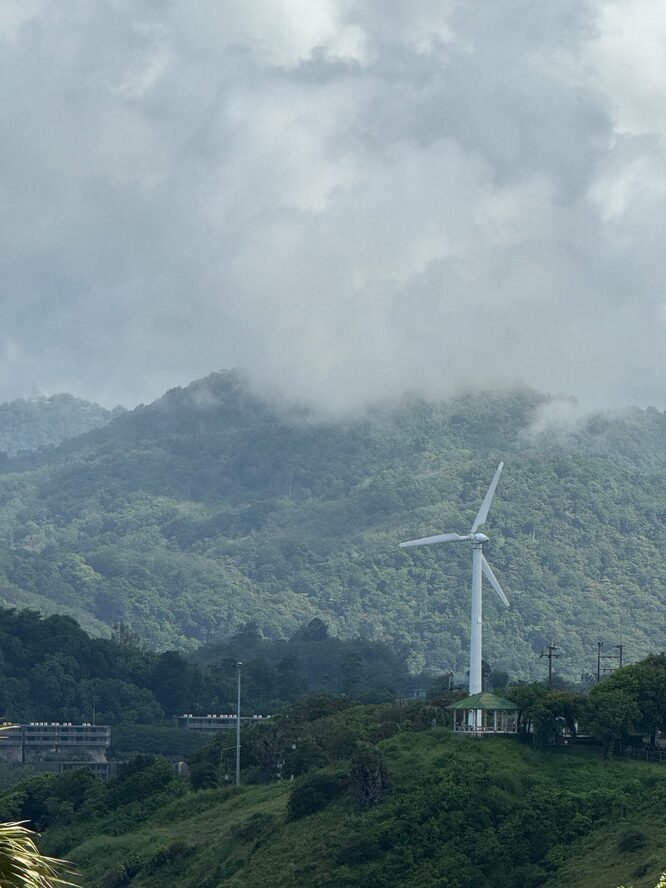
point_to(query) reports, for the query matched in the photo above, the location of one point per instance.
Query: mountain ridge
(210, 507)
(41, 421)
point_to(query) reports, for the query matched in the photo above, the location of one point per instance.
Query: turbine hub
(479, 538)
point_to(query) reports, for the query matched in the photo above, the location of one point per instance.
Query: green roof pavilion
(486, 714)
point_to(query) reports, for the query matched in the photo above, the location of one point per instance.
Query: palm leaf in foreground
(23, 866)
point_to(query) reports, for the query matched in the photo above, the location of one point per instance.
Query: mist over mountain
(44, 421)
(210, 507)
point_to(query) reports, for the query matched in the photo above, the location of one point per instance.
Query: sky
(349, 200)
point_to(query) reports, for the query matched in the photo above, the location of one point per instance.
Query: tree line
(52, 670)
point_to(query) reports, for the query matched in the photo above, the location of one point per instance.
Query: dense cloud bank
(349, 199)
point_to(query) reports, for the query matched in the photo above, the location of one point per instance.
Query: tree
(645, 684)
(368, 775)
(351, 673)
(540, 708)
(204, 776)
(316, 630)
(569, 706)
(529, 699)
(612, 715)
(172, 681)
(498, 678)
(313, 793)
(247, 637)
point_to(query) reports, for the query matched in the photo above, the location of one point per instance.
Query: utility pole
(619, 657)
(551, 655)
(239, 667)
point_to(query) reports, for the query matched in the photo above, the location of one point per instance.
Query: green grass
(600, 862)
(205, 823)
(424, 833)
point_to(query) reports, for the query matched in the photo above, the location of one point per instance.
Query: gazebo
(485, 713)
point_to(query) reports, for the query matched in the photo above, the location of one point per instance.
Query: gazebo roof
(484, 700)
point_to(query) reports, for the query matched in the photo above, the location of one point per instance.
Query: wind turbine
(479, 566)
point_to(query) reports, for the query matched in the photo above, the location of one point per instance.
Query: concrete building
(38, 741)
(213, 723)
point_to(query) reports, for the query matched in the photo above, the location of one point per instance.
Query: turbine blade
(440, 538)
(492, 579)
(487, 500)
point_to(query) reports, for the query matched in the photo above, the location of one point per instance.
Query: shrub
(174, 852)
(361, 849)
(116, 877)
(256, 826)
(631, 840)
(368, 776)
(122, 873)
(314, 794)
(140, 778)
(203, 776)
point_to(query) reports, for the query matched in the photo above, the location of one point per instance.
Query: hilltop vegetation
(382, 799)
(51, 670)
(210, 508)
(336, 795)
(32, 423)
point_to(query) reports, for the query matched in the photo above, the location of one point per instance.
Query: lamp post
(239, 667)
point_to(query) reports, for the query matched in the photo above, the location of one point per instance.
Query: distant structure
(550, 656)
(51, 741)
(479, 566)
(484, 713)
(211, 724)
(619, 658)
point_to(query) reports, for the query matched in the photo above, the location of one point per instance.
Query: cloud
(348, 199)
(628, 62)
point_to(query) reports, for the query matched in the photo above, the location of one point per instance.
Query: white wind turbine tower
(479, 565)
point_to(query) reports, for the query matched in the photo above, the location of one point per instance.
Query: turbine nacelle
(480, 538)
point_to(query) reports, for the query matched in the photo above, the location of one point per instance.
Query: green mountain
(211, 507)
(33, 423)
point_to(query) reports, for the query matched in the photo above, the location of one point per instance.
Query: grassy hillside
(208, 508)
(456, 812)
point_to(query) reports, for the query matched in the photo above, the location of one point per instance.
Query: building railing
(55, 733)
(641, 754)
(488, 729)
(214, 722)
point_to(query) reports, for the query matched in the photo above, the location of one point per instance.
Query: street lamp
(238, 667)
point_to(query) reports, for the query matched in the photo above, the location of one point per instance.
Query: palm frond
(23, 866)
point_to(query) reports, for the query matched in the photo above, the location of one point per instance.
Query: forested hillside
(380, 799)
(31, 423)
(51, 670)
(188, 517)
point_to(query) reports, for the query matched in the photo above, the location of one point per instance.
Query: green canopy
(484, 700)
